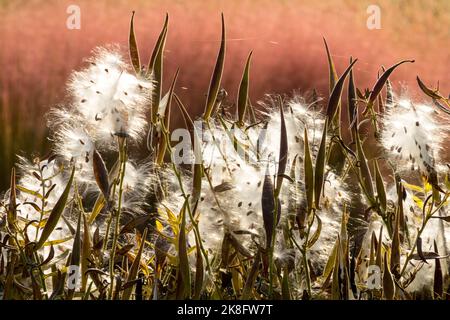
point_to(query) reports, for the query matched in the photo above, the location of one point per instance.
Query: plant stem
(123, 162)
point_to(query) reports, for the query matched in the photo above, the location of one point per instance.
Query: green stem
(419, 233)
(123, 162)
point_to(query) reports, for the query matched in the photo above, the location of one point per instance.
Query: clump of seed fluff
(105, 101)
(38, 178)
(235, 167)
(412, 136)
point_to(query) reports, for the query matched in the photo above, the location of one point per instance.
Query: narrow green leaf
(381, 191)
(336, 283)
(184, 269)
(133, 272)
(12, 207)
(380, 84)
(379, 258)
(317, 232)
(319, 175)
(285, 290)
(251, 278)
(98, 206)
(268, 208)
(438, 283)
(30, 192)
(364, 172)
(389, 93)
(395, 250)
(101, 173)
(330, 262)
(352, 104)
(283, 154)
(331, 69)
(335, 96)
(388, 281)
(199, 270)
(155, 68)
(136, 222)
(243, 92)
(216, 76)
(85, 253)
(57, 210)
(162, 147)
(429, 92)
(133, 48)
(75, 255)
(373, 249)
(309, 173)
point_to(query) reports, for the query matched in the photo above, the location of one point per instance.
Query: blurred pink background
(38, 52)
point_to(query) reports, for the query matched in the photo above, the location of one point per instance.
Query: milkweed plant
(279, 200)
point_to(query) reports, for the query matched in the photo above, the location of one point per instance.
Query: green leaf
(30, 192)
(12, 207)
(364, 172)
(352, 104)
(162, 147)
(216, 76)
(57, 210)
(309, 173)
(429, 92)
(381, 191)
(285, 290)
(268, 208)
(438, 282)
(98, 206)
(243, 92)
(373, 249)
(184, 269)
(101, 173)
(283, 155)
(335, 95)
(251, 278)
(85, 253)
(132, 274)
(75, 256)
(379, 257)
(320, 165)
(133, 47)
(389, 93)
(395, 250)
(199, 272)
(336, 283)
(380, 84)
(135, 222)
(317, 232)
(388, 281)
(331, 69)
(155, 68)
